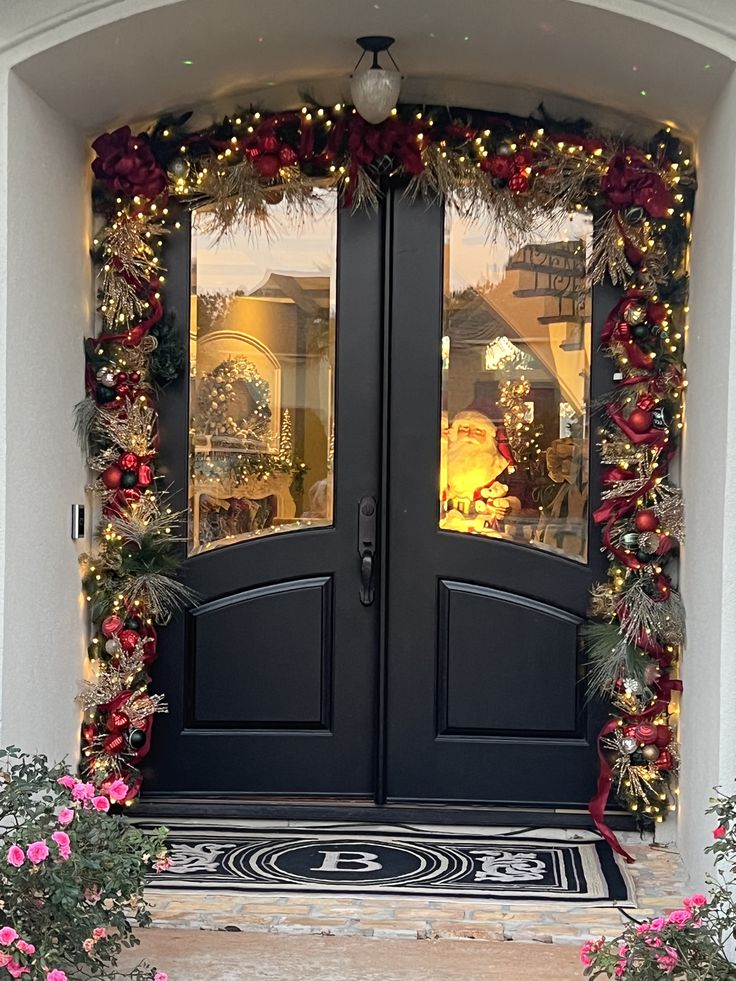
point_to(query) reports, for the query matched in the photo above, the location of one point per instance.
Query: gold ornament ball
(650, 753)
(636, 314)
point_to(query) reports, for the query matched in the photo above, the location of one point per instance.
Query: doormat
(506, 864)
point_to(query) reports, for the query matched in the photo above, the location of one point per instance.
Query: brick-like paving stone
(658, 874)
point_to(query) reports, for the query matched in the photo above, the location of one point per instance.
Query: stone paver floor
(189, 955)
(658, 874)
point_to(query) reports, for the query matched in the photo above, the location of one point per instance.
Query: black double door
(379, 660)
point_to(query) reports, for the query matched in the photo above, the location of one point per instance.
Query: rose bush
(689, 944)
(71, 874)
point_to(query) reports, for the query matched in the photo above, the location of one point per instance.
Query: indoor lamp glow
(375, 90)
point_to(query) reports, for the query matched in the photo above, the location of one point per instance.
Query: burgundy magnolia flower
(127, 165)
(632, 180)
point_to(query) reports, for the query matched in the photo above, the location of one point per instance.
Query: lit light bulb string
(497, 168)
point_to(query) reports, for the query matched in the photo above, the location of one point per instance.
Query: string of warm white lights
(498, 169)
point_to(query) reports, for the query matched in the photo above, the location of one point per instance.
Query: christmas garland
(502, 169)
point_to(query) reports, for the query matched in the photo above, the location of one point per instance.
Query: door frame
(306, 807)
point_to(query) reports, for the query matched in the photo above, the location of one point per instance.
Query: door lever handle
(367, 589)
(367, 510)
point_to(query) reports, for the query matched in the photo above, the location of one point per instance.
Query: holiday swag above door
(507, 170)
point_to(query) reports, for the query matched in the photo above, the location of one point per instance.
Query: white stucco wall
(708, 723)
(45, 291)
(47, 311)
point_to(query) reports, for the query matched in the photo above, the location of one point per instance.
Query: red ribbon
(598, 804)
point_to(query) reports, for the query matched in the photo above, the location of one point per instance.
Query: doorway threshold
(159, 807)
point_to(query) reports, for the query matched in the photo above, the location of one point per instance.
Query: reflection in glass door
(262, 350)
(516, 352)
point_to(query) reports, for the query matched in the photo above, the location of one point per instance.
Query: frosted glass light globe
(374, 93)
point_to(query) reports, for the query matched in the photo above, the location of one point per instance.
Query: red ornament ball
(129, 639)
(129, 461)
(111, 477)
(640, 421)
(663, 737)
(145, 475)
(646, 732)
(268, 165)
(118, 721)
(646, 520)
(111, 624)
(113, 744)
(287, 156)
(135, 377)
(121, 376)
(519, 182)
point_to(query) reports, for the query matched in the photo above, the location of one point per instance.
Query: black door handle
(367, 510)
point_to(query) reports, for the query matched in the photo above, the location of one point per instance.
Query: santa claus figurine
(476, 457)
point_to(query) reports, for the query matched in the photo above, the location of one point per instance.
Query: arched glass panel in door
(262, 350)
(516, 356)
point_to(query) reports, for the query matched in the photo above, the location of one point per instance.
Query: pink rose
(162, 864)
(38, 851)
(88, 945)
(66, 816)
(67, 781)
(15, 970)
(658, 923)
(25, 947)
(83, 791)
(5, 959)
(160, 976)
(7, 936)
(99, 933)
(697, 900)
(118, 790)
(101, 803)
(720, 831)
(642, 928)
(16, 856)
(679, 917)
(669, 960)
(62, 840)
(56, 975)
(92, 895)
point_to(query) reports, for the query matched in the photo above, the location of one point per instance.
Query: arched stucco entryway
(68, 70)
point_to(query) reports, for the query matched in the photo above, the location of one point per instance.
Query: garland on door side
(498, 168)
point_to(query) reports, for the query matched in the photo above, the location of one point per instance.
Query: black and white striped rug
(503, 864)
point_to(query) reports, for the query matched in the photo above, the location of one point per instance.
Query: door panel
(484, 696)
(487, 642)
(275, 677)
(271, 676)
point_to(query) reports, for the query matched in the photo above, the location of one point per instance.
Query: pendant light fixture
(375, 90)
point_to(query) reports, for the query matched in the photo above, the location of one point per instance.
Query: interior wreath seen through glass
(516, 351)
(262, 346)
